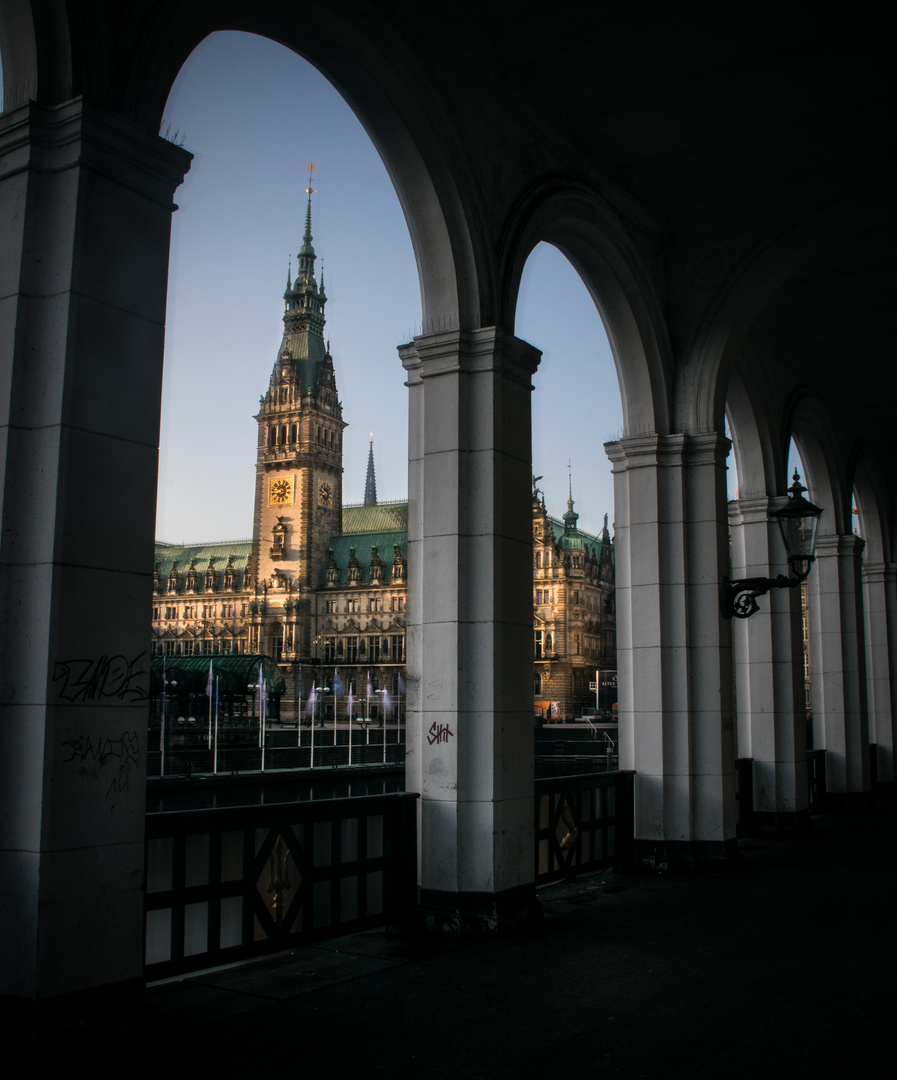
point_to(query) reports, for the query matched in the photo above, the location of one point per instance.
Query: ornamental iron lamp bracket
(798, 520)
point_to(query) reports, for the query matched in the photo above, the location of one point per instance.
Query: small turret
(571, 517)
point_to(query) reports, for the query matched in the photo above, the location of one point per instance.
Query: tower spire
(303, 317)
(571, 517)
(307, 248)
(370, 484)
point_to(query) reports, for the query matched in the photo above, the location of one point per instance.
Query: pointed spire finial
(370, 484)
(307, 249)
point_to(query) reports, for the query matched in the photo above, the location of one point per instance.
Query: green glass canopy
(234, 673)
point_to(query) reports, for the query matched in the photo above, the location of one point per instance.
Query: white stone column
(838, 667)
(879, 594)
(470, 651)
(769, 671)
(85, 212)
(674, 660)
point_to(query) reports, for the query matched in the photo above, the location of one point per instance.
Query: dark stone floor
(782, 968)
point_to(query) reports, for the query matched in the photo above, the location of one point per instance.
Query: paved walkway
(783, 968)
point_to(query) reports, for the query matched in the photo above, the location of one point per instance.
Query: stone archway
(85, 343)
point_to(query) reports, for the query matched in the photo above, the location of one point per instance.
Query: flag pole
(349, 709)
(210, 692)
(215, 752)
(311, 760)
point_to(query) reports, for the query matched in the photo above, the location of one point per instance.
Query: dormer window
(376, 574)
(332, 572)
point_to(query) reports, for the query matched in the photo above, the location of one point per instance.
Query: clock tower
(299, 493)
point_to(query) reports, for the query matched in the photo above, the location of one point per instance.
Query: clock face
(325, 494)
(280, 493)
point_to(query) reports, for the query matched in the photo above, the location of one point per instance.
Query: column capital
(841, 544)
(879, 572)
(756, 510)
(645, 451)
(487, 349)
(707, 448)
(51, 138)
(650, 450)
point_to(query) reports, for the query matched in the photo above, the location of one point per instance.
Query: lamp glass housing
(799, 521)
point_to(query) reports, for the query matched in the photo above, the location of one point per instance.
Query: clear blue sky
(254, 115)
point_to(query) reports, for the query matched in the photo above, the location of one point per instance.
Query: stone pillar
(674, 660)
(85, 210)
(769, 671)
(838, 667)
(879, 595)
(469, 626)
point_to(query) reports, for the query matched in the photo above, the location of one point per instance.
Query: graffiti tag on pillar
(106, 677)
(123, 748)
(439, 733)
(118, 753)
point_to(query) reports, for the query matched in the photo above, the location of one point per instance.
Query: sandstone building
(726, 195)
(321, 587)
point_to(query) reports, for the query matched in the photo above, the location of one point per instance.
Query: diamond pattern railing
(229, 884)
(582, 823)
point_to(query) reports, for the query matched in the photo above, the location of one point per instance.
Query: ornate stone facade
(574, 646)
(321, 587)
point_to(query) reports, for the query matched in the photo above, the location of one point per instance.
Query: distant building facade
(321, 587)
(573, 615)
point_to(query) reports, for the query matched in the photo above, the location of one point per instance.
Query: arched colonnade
(86, 196)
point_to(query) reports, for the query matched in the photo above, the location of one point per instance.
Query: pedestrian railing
(237, 882)
(188, 752)
(816, 780)
(582, 823)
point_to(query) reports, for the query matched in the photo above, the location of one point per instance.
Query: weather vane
(311, 169)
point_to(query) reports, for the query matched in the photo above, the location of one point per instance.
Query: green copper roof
(575, 539)
(219, 551)
(384, 517)
(364, 543)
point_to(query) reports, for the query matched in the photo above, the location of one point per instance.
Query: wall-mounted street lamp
(798, 519)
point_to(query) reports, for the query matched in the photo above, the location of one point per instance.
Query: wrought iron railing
(583, 823)
(816, 780)
(229, 884)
